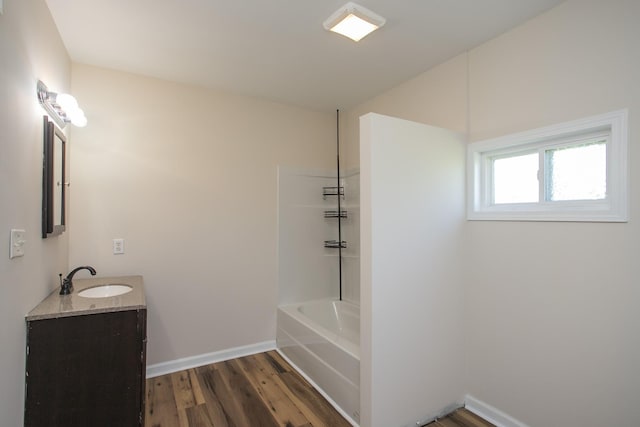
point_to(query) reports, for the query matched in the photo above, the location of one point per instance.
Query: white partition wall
(412, 214)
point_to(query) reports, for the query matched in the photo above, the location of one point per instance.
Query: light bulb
(66, 102)
(354, 27)
(78, 118)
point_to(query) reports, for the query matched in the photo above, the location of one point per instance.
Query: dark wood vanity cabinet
(86, 370)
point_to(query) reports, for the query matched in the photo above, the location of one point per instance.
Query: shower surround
(317, 332)
(401, 270)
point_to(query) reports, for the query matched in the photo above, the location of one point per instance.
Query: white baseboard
(207, 359)
(491, 414)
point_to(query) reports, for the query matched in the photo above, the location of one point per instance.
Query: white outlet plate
(18, 239)
(118, 246)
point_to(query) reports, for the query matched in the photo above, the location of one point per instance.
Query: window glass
(515, 179)
(577, 172)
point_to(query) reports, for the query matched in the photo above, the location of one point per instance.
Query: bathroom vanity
(86, 357)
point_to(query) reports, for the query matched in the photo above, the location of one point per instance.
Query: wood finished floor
(461, 418)
(253, 391)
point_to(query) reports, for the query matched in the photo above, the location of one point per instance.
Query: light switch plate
(18, 239)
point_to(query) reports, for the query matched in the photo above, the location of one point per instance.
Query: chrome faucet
(67, 284)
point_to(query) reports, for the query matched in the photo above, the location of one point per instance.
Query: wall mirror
(54, 187)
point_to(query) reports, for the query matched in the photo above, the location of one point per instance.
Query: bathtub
(322, 340)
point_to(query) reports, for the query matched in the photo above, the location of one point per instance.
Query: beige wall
(437, 97)
(30, 49)
(188, 177)
(551, 308)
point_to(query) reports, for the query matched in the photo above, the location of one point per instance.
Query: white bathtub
(322, 339)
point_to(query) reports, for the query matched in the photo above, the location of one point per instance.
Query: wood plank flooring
(461, 418)
(253, 391)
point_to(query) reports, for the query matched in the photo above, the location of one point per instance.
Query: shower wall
(306, 269)
(351, 233)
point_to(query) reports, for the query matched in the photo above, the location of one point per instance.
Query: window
(573, 171)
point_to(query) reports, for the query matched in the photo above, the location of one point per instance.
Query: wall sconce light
(354, 21)
(63, 108)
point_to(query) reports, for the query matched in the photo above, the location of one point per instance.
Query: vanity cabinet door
(86, 370)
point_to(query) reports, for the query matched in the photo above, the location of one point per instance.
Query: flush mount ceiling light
(354, 21)
(62, 107)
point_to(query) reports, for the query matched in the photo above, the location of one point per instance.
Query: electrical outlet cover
(118, 246)
(17, 243)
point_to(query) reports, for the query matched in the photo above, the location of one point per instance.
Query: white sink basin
(105, 291)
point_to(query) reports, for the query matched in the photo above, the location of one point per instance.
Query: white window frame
(613, 208)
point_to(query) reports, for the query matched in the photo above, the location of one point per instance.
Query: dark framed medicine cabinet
(54, 186)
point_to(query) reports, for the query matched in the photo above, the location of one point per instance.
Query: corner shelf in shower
(334, 244)
(332, 191)
(336, 214)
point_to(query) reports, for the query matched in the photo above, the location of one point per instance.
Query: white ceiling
(277, 49)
